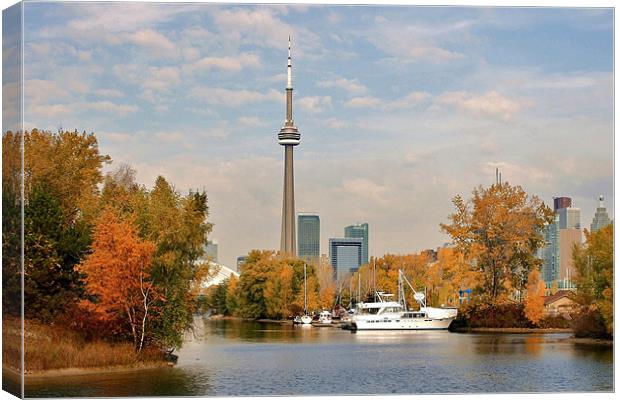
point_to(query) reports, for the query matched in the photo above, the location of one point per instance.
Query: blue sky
(400, 108)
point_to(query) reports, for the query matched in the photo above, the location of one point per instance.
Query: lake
(238, 358)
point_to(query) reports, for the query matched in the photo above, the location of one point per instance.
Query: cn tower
(288, 137)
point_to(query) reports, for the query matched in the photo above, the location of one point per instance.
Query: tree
(499, 229)
(118, 276)
(594, 264)
(535, 300)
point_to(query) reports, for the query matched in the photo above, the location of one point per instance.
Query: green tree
(595, 268)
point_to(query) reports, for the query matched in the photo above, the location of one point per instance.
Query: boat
(305, 319)
(325, 317)
(387, 314)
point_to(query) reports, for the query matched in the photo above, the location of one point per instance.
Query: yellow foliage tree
(535, 301)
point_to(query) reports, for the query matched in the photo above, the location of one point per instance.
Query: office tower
(211, 250)
(550, 253)
(601, 218)
(570, 218)
(359, 231)
(568, 239)
(288, 137)
(345, 255)
(308, 236)
(561, 202)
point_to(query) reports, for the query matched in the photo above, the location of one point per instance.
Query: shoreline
(59, 372)
(512, 330)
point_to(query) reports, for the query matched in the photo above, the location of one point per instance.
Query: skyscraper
(309, 236)
(561, 202)
(601, 218)
(288, 137)
(550, 253)
(570, 218)
(359, 231)
(345, 255)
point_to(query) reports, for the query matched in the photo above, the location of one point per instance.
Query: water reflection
(233, 358)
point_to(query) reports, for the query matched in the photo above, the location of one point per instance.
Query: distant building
(308, 236)
(211, 250)
(240, 260)
(550, 253)
(345, 255)
(601, 219)
(568, 239)
(359, 231)
(570, 218)
(561, 202)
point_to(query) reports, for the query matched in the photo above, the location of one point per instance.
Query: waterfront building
(308, 236)
(211, 250)
(345, 255)
(568, 239)
(561, 202)
(359, 231)
(288, 137)
(601, 218)
(570, 218)
(240, 260)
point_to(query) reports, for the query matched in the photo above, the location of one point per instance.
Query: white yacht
(387, 314)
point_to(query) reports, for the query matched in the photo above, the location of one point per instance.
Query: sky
(399, 108)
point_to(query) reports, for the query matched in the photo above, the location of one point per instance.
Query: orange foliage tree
(499, 229)
(117, 276)
(534, 300)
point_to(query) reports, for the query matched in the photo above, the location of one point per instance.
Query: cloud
(229, 63)
(409, 100)
(251, 121)
(161, 78)
(234, 98)
(416, 42)
(352, 86)
(365, 188)
(362, 102)
(490, 104)
(153, 41)
(315, 104)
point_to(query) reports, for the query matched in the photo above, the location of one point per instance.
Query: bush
(504, 315)
(557, 321)
(590, 323)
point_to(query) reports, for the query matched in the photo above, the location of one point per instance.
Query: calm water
(228, 358)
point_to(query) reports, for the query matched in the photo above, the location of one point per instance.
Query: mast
(305, 297)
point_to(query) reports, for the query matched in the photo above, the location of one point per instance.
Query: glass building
(345, 255)
(570, 218)
(601, 218)
(550, 253)
(308, 236)
(359, 231)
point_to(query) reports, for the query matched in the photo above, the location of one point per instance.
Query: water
(234, 358)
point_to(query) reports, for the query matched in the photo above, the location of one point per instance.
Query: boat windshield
(370, 310)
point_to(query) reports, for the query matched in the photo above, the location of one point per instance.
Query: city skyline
(402, 108)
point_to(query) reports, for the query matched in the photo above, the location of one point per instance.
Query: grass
(50, 347)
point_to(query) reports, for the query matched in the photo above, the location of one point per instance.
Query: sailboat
(305, 319)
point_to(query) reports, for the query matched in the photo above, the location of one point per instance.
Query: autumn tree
(499, 229)
(177, 226)
(118, 277)
(61, 176)
(535, 299)
(595, 274)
